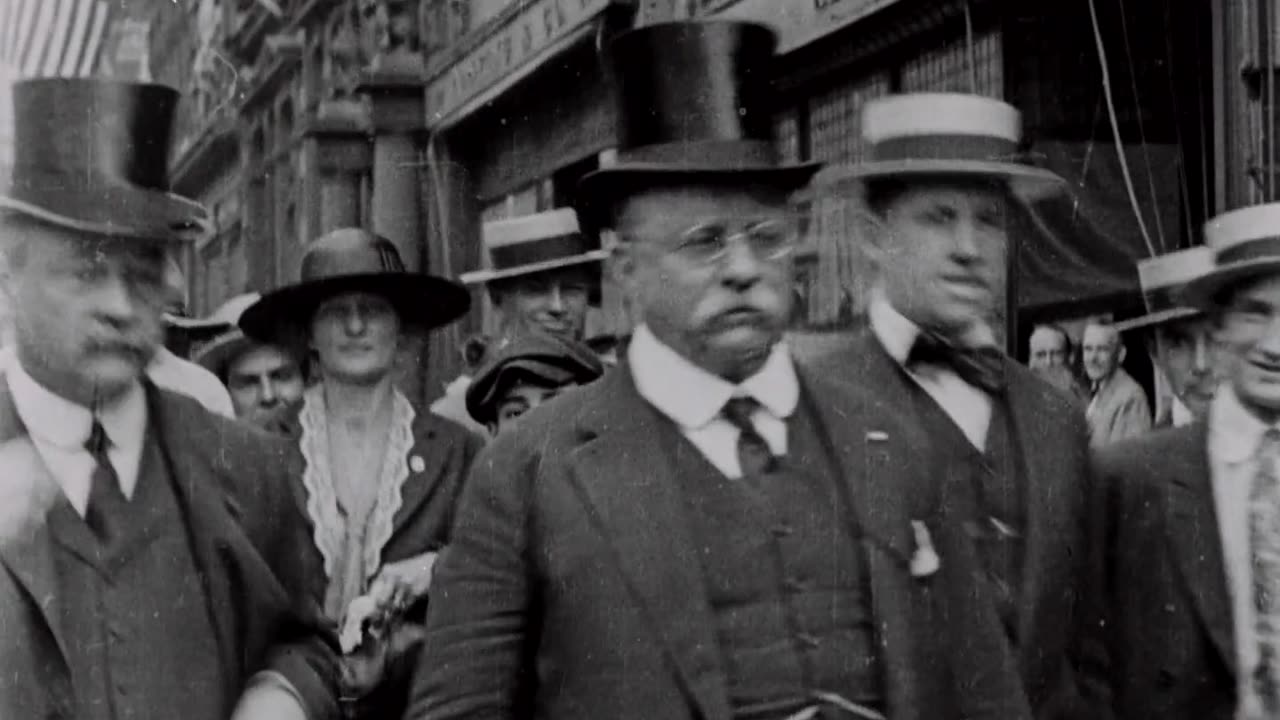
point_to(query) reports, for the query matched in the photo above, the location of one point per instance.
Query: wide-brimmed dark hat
(354, 260)
(536, 357)
(694, 105)
(921, 135)
(1164, 279)
(1245, 244)
(93, 155)
(533, 244)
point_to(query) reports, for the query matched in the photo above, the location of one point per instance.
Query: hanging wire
(970, 56)
(1265, 62)
(1183, 180)
(1142, 131)
(1115, 128)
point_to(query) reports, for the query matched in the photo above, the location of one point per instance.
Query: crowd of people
(244, 515)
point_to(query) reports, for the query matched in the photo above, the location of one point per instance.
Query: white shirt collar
(898, 333)
(1179, 414)
(1234, 431)
(692, 396)
(53, 419)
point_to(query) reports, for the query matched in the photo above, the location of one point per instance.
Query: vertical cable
(969, 50)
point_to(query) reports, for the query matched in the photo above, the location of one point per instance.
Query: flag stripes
(52, 37)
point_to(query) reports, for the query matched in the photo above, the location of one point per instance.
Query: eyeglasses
(769, 239)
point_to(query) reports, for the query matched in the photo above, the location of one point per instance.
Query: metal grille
(946, 69)
(835, 119)
(786, 130)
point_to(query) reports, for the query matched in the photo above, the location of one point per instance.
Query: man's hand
(403, 583)
(269, 697)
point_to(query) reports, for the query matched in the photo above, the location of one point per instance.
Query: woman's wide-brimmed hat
(693, 105)
(921, 135)
(536, 357)
(92, 155)
(354, 260)
(1245, 243)
(1164, 280)
(533, 244)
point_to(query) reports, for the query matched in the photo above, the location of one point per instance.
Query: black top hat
(354, 260)
(93, 155)
(693, 105)
(540, 358)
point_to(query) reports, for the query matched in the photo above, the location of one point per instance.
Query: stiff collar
(1234, 432)
(693, 397)
(897, 333)
(53, 419)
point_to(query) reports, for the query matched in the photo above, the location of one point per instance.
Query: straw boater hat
(216, 354)
(538, 357)
(693, 105)
(533, 244)
(354, 260)
(1245, 243)
(921, 135)
(92, 155)
(1164, 279)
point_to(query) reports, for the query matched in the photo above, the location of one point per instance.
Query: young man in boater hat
(150, 584)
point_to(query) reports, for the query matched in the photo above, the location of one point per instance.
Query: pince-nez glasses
(709, 242)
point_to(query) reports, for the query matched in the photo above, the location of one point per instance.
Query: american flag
(52, 37)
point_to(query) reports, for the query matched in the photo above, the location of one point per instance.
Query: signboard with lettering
(798, 22)
(537, 27)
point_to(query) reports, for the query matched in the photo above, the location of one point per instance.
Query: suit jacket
(1049, 427)
(572, 588)
(237, 509)
(1166, 648)
(1118, 411)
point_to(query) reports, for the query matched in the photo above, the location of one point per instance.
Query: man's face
(1185, 353)
(1100, 349)
(554, 301)
(1048, 349)
(519, 399)
(942, 260)
(261, 380)
(87, 309)
(355, 336)
(1248, 336)
(709, 269)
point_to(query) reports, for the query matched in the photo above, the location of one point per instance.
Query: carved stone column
(340, 143)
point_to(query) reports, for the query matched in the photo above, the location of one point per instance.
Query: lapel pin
(878, 436)
(924, 561)
(417, 464)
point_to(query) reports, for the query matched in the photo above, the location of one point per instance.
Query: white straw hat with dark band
(1245, 243)
(534, 243)
(1164, 281)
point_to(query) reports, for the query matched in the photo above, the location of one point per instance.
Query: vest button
(795, 584)
(808, 641)
(782, 530)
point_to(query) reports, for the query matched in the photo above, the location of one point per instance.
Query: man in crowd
(709, 530)
(261, 377)
(1008, 454)
(1049, 357)
(145, 587)
(1118, 406)
(1179, 338)
(526, 372)
(1190, 578)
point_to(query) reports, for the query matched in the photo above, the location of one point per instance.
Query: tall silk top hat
(693, 105)
(1245, 243)
(919, 135)
(1164, 279)
(354, 260)
(93, 155)
(533, 244)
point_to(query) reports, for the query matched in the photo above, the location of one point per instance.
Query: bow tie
(981, 367)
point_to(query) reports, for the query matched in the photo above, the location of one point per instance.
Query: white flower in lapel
(924, 560)
(417, 464)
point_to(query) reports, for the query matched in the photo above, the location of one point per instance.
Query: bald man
(1118, 407)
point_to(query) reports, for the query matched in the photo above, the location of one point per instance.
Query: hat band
(379, 259)
(506, 257)
(703, 154)
(1267, 248)
(972, 148)
(1168, 297)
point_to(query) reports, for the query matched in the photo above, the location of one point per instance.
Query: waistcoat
(784, 575)
(140, 638)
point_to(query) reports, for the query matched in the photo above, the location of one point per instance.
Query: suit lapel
(619, 470)
(1197, 540)
(426, 462)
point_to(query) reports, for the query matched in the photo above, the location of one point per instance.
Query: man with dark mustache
(144, 585)
(713, 529)
(1007, 452)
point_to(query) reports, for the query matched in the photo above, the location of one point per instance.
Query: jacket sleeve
(475, 659)
(1106, 500)
(1133, 417)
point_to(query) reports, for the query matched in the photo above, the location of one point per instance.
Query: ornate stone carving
(389, 34)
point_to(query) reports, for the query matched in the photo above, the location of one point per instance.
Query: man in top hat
(712, 530)
(144, 587)
(1008, 453)
(525, 372)
(1178, 337)
(260, 377)
(1191, 579)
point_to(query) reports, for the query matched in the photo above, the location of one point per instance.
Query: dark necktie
(1264, 545)
(981, 367)
(106, 498)
(754, 455)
